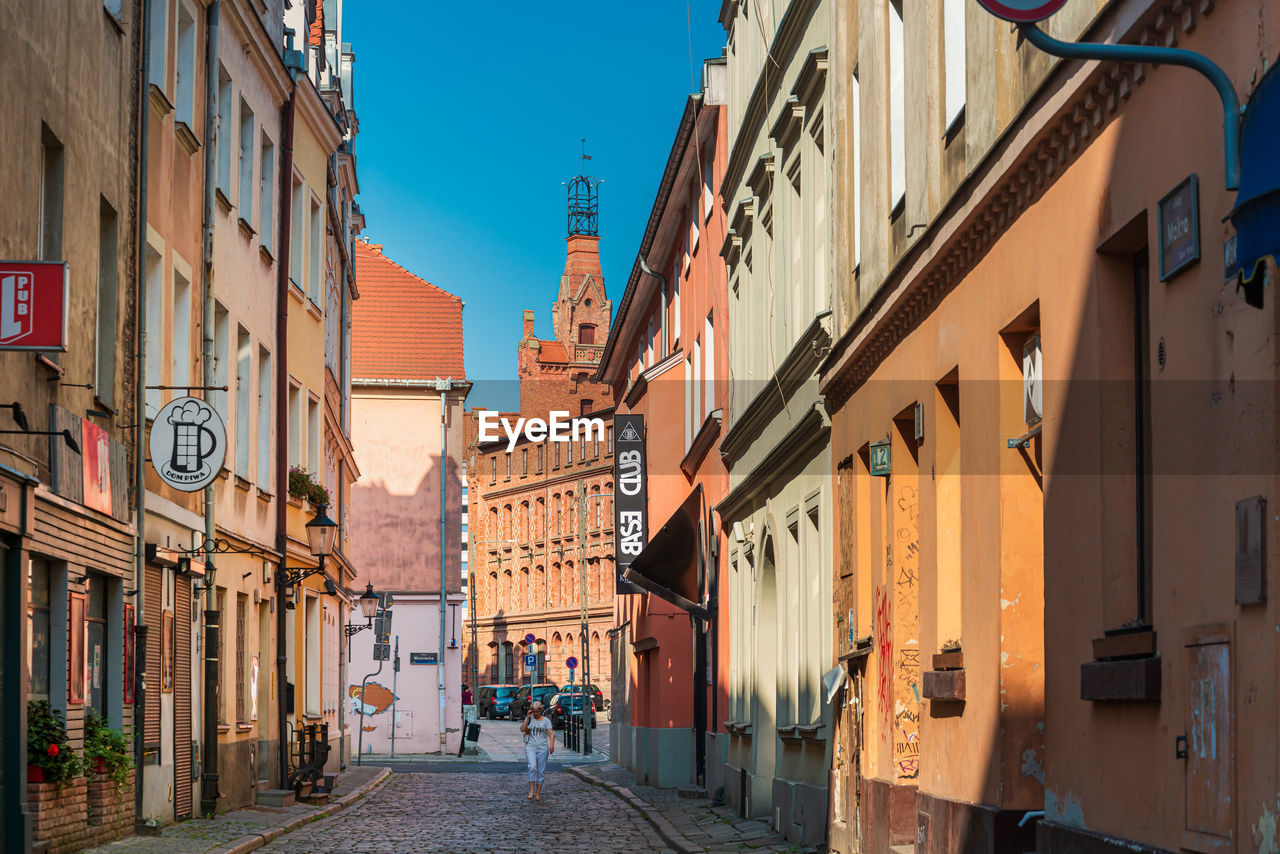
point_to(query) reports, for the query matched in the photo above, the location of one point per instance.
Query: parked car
(495, 700)
(594, 690)
(570, 703)
(521, 704)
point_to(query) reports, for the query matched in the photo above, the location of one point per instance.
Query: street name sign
(1022, 11)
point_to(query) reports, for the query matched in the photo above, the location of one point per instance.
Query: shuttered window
(182, 798)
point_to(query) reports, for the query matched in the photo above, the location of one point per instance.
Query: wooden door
(1209, 742)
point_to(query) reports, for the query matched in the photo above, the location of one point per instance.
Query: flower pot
(35, 774)
(99, 765)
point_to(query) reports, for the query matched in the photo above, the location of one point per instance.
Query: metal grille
(241, 705)
(182, 698)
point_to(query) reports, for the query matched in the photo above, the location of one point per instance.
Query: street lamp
(321, 532)
(368, 607)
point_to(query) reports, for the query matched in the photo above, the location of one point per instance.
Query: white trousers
(537, 760)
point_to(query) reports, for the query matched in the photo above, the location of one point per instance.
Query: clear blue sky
(470, 121)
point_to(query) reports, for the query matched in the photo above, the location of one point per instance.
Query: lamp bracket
(352, 631)
(291, 575)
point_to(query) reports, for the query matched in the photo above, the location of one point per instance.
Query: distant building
(408, 391)
(541, 514)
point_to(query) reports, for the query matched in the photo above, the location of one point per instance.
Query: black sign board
(1178, 216)
(631, 495)
(423, 658)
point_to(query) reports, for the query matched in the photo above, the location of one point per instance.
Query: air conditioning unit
(1032, 382)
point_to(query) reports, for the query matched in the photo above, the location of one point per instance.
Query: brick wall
(80, 814)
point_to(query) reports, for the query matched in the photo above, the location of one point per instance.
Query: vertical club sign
(188, 444)
(630, 503)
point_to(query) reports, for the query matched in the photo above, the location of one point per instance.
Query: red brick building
(541, 513)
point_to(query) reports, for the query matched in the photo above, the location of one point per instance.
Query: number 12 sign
(1022, 11)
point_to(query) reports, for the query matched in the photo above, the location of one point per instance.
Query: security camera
(739, 534)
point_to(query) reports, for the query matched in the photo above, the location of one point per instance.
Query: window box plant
(106, 749)
(303, 486)
(50, 758)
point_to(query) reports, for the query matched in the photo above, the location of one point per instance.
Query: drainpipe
(443, 386)
(645, 268)
(282, 415)
(140, 415)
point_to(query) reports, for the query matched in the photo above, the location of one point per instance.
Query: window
(53, 164)
(75, 648)
(524, 461)
(795, 259)
(185, 90)
(648, 348)
(264, 419)
(154, 325)
(297, 233)
(507, 456)
(584, 406)
(39, 630)
(244, 356)
(493, 470)
(675, 304)
(568, 453)
(953, 47)
(586, 334)
(314, 704)
(855, 144)
(541, 448)
(180, 357)
(158, 42)
(695, 411)
(266, 190)
(688, 399)
(897, 108)
(104, 380)
(295, 426)
(708, 195)
(221, 349)
(224, 132)
(245, 199)
(557, 454)
(817, 224)
(314, 429)
(242, 678)
(315, 269)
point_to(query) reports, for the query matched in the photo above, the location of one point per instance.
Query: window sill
(224, 728)
(222, 200)
(102, 405)
(295, 502)
(314, 310)
(943, 685)
(264, 495)
(50, 365)
(1126, 668)
(186, 137)
(245, 228)
(295, 291)
(243, 484)
(243, 727)
(266, 254)
(160, 103)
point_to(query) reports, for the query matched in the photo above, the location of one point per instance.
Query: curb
(665, 828)
(252, 842)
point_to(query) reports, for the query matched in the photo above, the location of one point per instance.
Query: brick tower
(556, 373)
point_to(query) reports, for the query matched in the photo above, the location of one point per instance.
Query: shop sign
(188, 444)
(1022, 11)
(95, 446)
(631, 500)
(1179, 222)
(10, 505)
(880, 458)
(33, 305)
(423, 658)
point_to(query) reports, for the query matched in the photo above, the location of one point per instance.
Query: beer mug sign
(188, 444)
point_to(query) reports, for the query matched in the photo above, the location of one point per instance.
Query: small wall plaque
(1178, 216)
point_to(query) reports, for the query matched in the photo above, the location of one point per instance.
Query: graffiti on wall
(884, 657)
(906, 623)
(375, 699)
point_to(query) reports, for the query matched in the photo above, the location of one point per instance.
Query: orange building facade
(1051, 442)
(664, 361)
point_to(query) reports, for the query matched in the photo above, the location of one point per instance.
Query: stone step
(277, 798)
(692, 792)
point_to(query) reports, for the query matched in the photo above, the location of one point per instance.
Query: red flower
(53, 750)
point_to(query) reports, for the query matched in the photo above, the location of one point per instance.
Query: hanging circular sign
(188, 444)
(1022, 11)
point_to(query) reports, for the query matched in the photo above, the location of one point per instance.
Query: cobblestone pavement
(476, 812)
(713, 829)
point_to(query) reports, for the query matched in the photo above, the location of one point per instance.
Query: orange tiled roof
(317, 27)
(552, 351)
(403, 327)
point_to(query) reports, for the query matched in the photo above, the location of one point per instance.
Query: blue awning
(1256, 216)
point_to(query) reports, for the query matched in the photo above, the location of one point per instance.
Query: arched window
(586, 333)
(524, 520)
(554, 592)
(540, 587)
(570, 584)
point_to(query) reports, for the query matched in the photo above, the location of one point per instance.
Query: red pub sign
(33, 305)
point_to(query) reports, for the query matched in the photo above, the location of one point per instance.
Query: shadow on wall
(395, 539)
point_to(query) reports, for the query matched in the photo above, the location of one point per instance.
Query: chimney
(528, 324)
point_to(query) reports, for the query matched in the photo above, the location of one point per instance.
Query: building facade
(667, 359)
(541, 514)
(777, 444)
(67, 526)
(1046, 428)
(409, 389)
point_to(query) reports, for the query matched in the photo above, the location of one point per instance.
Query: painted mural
(375, 699)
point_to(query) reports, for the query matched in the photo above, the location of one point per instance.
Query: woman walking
(538, 745)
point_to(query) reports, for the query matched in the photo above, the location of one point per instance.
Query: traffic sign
(1022, 11)
(529, 638)
(571, 663)
(530, 662)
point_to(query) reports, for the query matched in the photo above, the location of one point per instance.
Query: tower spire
(584, 191)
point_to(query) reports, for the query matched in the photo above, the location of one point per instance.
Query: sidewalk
(688, 824)
(247, 829)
